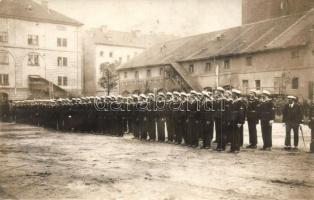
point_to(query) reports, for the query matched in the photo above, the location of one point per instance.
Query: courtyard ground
(42, 164)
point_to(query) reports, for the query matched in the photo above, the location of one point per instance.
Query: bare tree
(109, 76)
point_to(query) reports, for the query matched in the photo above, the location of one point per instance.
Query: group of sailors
(174, 117)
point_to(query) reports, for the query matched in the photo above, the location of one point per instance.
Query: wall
(271, 68)
(48, 51)
(257, 10)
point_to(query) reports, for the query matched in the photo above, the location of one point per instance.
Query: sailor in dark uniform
(238, 119)
(220, 121)
(207, 119)
(267, 116)
(252, 118)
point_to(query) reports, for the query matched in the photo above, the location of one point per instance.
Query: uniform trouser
(161, 130)
(295, 128)
(227, 132)
(235, 137)
(252, 133)
(136, 128)
(144, 129)
(179, 129)
(266, 133)
(151, 129)
(207, 132)
(221, 129)
(195, 130)
(170, 129)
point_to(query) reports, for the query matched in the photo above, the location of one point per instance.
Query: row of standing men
(174, 117)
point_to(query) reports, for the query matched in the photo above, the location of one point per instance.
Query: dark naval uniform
(266, 115)
(252, 119)
(238, 119)
(207, 122)
(220, 123)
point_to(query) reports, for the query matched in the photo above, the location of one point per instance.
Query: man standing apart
(311, 125)
(292, 117)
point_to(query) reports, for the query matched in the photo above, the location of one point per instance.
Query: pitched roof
(276, 33)
(32, 11)
(127, 39)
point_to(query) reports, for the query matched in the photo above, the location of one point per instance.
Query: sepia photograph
(156, 99)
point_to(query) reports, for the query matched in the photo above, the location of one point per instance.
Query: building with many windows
(102, 46)
(40, 51)
(276, 54)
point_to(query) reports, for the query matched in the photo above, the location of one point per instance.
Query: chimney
(44, 3)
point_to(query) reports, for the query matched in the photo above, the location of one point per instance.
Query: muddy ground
(40, 164)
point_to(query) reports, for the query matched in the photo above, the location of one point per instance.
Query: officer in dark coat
(238, 119)
(292, 117)
(267, 116)
(207, 119)
(252, 118)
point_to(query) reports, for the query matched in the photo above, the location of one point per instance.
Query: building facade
(103, 46)
(257, 10)
(275, 54)
(40, 51)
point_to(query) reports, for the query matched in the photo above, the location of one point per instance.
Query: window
(4, 58)
(295, 83)
(249, 61)
(125, 74)
(62, 42)
(4, 79)
(120, 59)
(4, 37)
(245, 84)
(62, 80)
(148, 73)
(257, 84)
(65, 81)
(62, 61)
(208, 67)
(128, 58)
(110, 54)
(136, 75)
(101, 53)
(227, 63)
(295, 54)
(33, 59)
(161, 71)
(191, 68)
(135, 53)
(33, 40)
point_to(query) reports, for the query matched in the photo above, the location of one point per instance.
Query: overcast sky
(178, 17)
